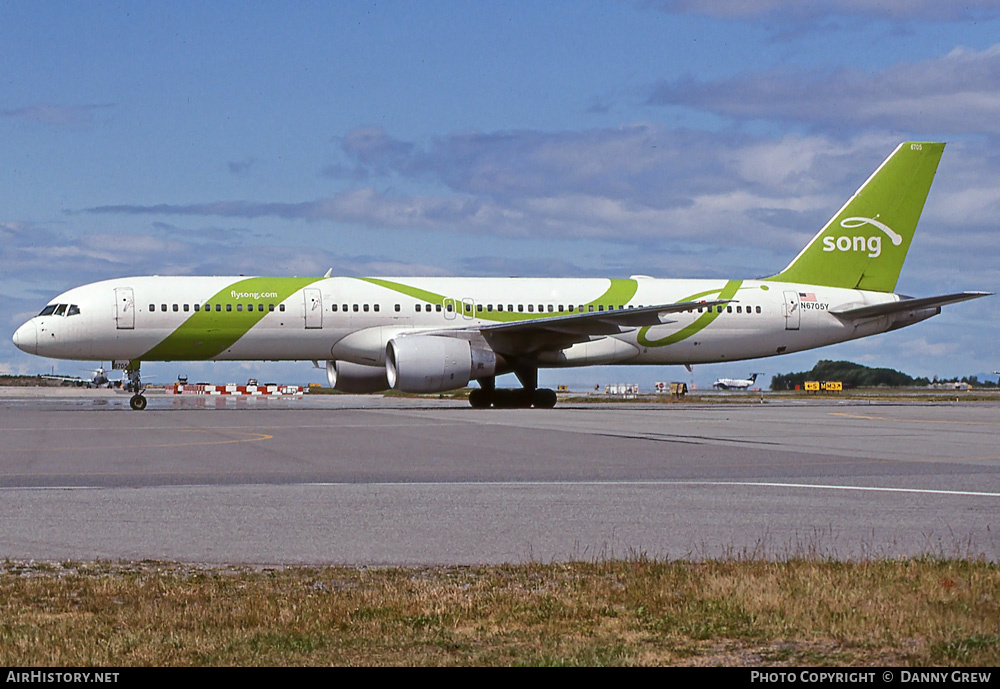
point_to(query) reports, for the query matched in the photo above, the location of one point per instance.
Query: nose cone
(26, 338)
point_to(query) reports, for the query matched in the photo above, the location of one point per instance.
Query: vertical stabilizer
(865, 243)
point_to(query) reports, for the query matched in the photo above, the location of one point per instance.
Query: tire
(479, 399)
(544, 398)
(138, 402)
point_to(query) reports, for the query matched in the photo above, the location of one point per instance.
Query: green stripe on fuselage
(206, 334)
(702, 322)
(619, 293)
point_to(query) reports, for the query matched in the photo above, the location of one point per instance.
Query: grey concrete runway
(366, 480)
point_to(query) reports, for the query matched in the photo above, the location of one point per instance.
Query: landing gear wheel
(137, 402)
(480, 399)
(544, 398)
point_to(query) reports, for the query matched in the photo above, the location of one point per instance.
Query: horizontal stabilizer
(906, 305)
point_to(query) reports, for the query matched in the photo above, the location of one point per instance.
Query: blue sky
(674, 139)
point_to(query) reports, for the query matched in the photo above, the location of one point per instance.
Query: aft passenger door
(793, 313)
(314, 307)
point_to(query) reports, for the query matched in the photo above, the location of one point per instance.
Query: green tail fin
(865, 243)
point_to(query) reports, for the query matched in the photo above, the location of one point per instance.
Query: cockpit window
(60, 310)
(73, 310)
(48, 310)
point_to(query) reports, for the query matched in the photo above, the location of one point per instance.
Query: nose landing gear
(134, 385)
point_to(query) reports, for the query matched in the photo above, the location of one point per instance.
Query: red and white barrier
(273, 390)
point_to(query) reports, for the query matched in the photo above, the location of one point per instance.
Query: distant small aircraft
(735, 383)
(98, 380)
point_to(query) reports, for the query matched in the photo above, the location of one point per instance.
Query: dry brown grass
(907, 612)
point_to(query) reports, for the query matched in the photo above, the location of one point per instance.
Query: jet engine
(357, 378)
(431, 363)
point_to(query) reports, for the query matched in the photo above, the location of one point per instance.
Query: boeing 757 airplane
(437, 334)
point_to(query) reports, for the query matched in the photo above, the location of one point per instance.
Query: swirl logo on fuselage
(872, 245)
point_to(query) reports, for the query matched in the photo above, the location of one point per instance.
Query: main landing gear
(134, 385)
(529, 396)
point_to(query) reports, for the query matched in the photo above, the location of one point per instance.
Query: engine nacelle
(347, 377)
(431, 363)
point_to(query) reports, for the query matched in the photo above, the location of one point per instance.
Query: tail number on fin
(873, 245)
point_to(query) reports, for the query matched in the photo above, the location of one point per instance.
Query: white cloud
(954, 93)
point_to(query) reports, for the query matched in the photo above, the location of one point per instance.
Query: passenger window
(520, 308)
(365, 308)
(510, 307)
(758, 309)
(354, 307)
(479, 308)
(175, 308)
(270, 307)
(450, 307)
(600, 307)
(197, 308)
(397, 307)
(489, 308)
(729, 309)
(163, 308)
(187, 307)
(229, 307)
(375, 307)
(239, 307)
(590, 308)
(438, 306)
(739, 309)
(152, 307)
(416, 307)
(531, 308)
(260, 308)
(343, 307)
(281, 307)
(333, 308)
(218, 307)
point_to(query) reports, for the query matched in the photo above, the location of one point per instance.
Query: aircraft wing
(528, 337)
(65, 379)
(906, 305)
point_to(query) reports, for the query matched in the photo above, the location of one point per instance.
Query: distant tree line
(858, 376)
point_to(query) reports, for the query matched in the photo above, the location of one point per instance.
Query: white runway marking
(759, 484)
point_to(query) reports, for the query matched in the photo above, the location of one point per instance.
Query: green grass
(634, 612)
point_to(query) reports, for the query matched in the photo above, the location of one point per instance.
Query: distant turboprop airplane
(735, 383)
(437, 334)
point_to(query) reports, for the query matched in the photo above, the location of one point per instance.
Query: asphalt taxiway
(382, 481)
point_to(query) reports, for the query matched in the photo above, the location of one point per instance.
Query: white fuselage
(350, 319)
